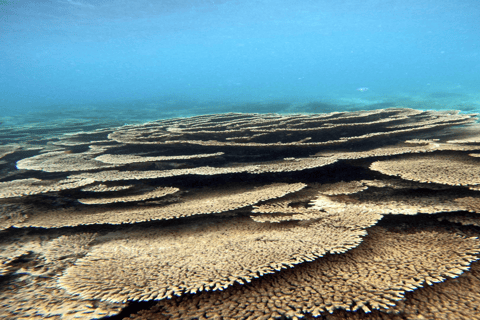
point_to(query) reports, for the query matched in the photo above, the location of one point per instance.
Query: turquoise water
(133, 61)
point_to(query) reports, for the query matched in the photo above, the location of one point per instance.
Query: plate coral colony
(345, 215)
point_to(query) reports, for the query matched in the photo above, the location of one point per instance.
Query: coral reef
(345, 215)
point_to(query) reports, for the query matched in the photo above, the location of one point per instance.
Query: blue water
(141, 60)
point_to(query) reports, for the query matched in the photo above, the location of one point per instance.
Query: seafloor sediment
(344, 215)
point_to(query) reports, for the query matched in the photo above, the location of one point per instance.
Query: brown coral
(207, 256)
(153, 194)
(106, 188)
(471, 204)
(466, 220)
(8, 149)
(375, 275)
(61, 161)
(127, 159)
(393, 201)
(292, 130)
(31, 290)
(196, 202)
(342, 187)
(39, 298)
(456, 170)
(33, 186)
(454, 299)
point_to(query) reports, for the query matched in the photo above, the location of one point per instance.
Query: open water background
(132, 61)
